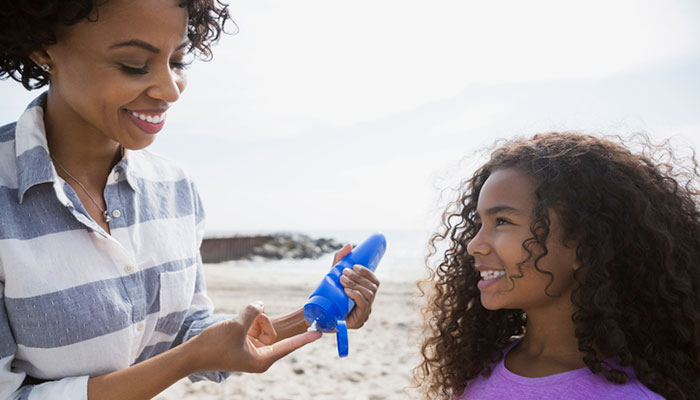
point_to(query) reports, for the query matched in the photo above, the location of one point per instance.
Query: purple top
(579, 384)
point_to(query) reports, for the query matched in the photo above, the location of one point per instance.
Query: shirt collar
(34, 164)
(128, 165)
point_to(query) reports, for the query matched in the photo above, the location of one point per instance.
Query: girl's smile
(489, 276)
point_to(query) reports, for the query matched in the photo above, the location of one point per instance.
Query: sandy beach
(382, 353)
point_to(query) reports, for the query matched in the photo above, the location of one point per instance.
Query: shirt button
(128, 269)
(116, 175)
(116, 213)
(140, 326)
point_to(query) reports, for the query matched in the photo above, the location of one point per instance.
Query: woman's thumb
(250, 313)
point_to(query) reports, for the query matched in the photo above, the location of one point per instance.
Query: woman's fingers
(249, 314)
(244, 343)
(267, 355)
(263, 330)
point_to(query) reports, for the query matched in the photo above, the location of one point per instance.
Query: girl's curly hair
(28, 25)
(636, 219)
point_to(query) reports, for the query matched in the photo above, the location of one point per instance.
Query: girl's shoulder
(579, 384)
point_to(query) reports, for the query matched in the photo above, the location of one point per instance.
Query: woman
(572, 270)
(102, 282)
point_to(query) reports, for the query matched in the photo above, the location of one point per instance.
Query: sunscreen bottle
(328, 305)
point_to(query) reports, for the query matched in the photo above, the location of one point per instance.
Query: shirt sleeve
(11, 379)
(200, 313)
(199, 317)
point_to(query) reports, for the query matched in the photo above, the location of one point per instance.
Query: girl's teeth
(488, 275)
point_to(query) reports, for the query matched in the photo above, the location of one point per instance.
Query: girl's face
(505, 211)
(110, 74)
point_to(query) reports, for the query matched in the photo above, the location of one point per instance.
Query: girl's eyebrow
(143, 45)
(500, 209)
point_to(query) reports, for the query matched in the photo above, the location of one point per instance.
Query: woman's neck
(82, 150)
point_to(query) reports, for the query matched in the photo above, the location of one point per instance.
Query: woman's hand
(361, 286)
(245, 343)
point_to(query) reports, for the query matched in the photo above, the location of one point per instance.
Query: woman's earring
(45, 67)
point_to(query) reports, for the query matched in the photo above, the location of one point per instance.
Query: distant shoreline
(272, 246)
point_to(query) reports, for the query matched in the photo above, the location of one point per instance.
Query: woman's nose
(168, 86)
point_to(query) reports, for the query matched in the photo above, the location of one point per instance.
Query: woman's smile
(149, 121)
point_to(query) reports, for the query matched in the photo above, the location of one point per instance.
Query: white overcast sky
(327, 115)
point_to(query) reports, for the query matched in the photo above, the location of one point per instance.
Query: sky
(325, 115)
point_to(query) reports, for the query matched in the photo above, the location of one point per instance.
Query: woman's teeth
(488, 275)
(153, 119)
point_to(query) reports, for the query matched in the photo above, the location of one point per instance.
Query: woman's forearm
(145, 379)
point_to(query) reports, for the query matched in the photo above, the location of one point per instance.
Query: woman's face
(505, 211)
(111, 74)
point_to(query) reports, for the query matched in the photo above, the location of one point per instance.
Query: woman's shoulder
(151, 166)
(7, 132)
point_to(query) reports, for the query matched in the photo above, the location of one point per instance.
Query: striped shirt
(77, 302)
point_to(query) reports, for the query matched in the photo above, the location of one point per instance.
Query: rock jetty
(270, 247)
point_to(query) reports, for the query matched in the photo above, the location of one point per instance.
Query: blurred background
(343, 118)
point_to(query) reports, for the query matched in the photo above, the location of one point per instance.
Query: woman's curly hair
(636, 219)
(28, 25)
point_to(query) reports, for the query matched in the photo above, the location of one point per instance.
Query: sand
(382, 353)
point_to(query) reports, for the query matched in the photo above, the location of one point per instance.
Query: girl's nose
(478, 244)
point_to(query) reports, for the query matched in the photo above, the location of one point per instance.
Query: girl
(572, 271)
(102, 294)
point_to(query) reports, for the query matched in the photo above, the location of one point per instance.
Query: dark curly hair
(27, 25)
(636, 219)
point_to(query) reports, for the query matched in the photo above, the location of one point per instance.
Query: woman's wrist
(193, 356)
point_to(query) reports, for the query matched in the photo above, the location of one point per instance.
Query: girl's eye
(501, 221)
(133, 70)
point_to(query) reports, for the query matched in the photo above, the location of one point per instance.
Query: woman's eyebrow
(143, 45)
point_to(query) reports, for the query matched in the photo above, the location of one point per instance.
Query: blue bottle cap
(342, 338)
(323, 312)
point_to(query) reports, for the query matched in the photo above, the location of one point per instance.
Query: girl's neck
(549, 345)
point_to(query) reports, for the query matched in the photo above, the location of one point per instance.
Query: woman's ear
(42, 59)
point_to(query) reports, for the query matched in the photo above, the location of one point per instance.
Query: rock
(271, 247)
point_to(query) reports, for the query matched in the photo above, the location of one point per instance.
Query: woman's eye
(501, 221)
(180, 65)
(133, 70)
